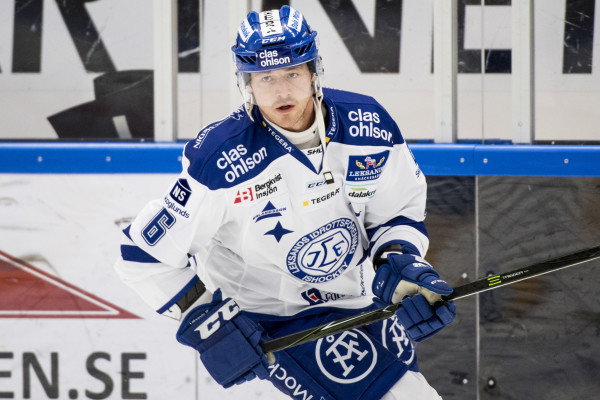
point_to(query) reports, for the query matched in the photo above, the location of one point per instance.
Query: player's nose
(282, 87)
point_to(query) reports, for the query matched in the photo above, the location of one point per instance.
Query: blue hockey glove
(406, 275)
(228, 342)
(421, 320)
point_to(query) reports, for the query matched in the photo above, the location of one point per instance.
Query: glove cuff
(381, 256)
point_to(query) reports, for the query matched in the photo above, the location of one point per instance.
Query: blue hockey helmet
(274, 39)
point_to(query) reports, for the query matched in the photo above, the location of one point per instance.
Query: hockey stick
(469, 289)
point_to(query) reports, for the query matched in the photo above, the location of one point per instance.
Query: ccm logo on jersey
(366, 126)
(213, 322)
(236, 165)
(315, 184)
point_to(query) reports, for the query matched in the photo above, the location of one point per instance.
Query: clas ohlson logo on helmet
(325, 253)
(274, 58)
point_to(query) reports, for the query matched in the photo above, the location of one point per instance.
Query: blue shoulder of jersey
(231, 151)
(360, 120)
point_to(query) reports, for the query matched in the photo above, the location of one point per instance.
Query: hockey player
(303, 206)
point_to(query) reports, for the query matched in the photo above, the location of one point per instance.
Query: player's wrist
(195, 296)
(381, 257)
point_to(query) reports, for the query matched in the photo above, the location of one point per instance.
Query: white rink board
(564, 108)
(68, 227)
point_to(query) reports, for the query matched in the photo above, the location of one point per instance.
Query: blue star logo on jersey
(278, 231)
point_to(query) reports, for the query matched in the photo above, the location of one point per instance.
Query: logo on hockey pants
(395, 339)
(347, 357)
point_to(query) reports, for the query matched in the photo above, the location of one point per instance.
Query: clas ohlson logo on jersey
(235, 163)
(325, 253)
(365, 124)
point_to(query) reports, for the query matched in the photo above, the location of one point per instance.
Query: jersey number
(157, 228)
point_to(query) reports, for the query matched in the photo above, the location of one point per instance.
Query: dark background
(536, 339)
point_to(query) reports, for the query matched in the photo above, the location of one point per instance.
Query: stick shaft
(469, 289)
(506, 278)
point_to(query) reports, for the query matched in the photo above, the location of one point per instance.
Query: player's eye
(266, 78)
(293, 74)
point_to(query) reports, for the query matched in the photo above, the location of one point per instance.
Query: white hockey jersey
(251, 214)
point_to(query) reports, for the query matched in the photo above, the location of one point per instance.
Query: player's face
(284, 96)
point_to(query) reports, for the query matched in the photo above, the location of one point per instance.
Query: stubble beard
(298, 123)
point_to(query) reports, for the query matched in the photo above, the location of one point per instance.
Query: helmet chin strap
(248, 102)
(326, 171)
(249, 107)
